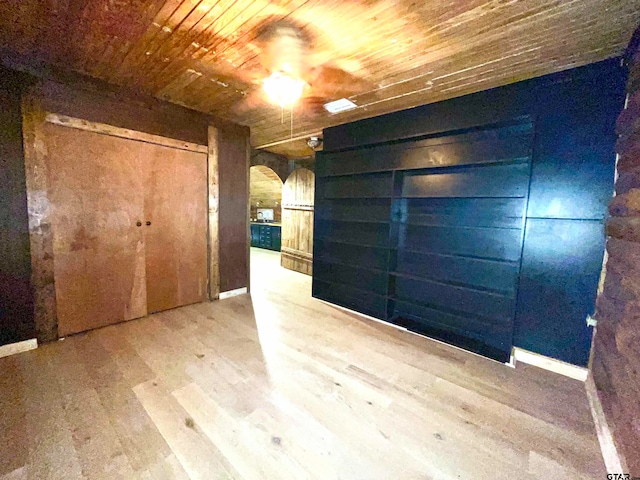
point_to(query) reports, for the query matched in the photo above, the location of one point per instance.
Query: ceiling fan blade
(312, 106)
(251, 101)
(333, 83)
(285, 48)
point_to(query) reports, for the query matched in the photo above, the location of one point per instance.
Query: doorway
(266, 208)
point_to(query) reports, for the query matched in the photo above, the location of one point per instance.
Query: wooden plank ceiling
(199, 53)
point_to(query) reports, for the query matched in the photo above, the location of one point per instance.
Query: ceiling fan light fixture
(283, 89)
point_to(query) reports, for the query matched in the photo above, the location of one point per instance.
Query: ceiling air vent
(341, 105)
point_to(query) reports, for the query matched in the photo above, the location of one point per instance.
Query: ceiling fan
(293, 73)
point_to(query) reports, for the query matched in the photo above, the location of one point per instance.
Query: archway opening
(265, 202)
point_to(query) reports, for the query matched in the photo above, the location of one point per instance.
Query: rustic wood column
(40, 233)
(214, 205)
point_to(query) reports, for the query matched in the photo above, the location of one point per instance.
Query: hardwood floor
(279, 385)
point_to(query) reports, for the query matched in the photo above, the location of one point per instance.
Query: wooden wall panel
(175, 227)
(233, 158)
(16, 298)
(96, 193)
(297, 221)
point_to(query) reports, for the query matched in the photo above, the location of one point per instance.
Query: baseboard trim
(18, 347)
(232, 293)
(613, 460)
(403, 329)
(551, 364)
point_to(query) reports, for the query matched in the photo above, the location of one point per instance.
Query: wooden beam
(105, 129)
(248, 203)
(214, 208)
(38, 206)
(313, 133)
(297, 253)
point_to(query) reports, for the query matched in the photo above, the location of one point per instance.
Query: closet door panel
(176, 237)
(96, 199)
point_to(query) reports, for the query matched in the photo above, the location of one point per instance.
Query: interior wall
(16, 298)
(616, 350)
(308, 162)
(234, 151)
(100, 103)
(275, 162)
(573, 161)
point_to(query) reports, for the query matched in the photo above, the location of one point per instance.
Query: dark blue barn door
(432, 238)
(454, 271)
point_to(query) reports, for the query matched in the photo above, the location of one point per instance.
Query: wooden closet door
(176, 237)
(96, 199)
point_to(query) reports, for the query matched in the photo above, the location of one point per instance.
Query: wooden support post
(248, 203)
(213, 209)
(38, 205)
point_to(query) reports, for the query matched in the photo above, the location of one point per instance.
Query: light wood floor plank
(277, 385)
(196, 454)
(47, 435)
(18, 474)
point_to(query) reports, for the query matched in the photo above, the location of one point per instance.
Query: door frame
(34, 117)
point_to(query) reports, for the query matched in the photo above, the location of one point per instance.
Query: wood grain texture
(129, 227)
(297, 221)
(175, 227)
(203, 54)
(213, 180)
(105, 129)
(40, 234)
(278, 385)
(96, 190)
(296, 148)
(103, 105)
(233, 174)
(100, 103)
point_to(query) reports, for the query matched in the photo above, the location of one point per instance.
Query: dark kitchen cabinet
(266, 236)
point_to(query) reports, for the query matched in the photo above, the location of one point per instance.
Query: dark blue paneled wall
(573, 163)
